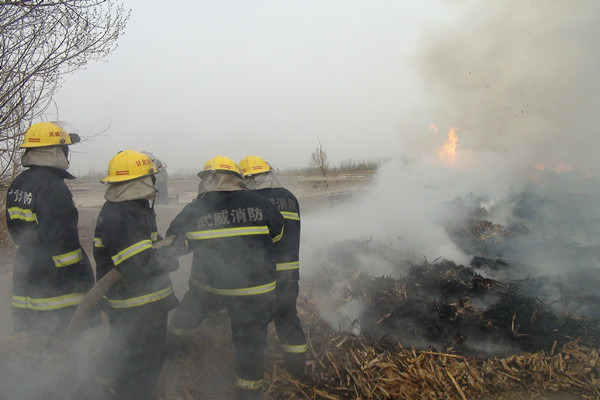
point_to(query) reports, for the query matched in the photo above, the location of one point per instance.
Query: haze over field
(515, 82)
(511, 87)
(195, 79)
(368, 79)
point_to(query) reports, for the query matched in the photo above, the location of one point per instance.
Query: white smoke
(519, 78)
(407, 206)
(519, 81)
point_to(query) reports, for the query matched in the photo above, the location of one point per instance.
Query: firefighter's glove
(168, 256)
(180, 244)
(167, 259)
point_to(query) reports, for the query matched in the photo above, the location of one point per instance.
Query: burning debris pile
(443, 330)
(423, 329)
(444, 306)
(437, 330)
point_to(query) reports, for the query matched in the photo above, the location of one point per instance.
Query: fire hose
(93, 297)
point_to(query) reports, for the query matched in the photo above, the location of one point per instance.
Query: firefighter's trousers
(249, 316)
(137, 348)
(289, 329)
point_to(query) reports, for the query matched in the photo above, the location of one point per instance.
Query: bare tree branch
(40, 42)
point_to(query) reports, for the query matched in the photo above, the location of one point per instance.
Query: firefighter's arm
(57, 219)
(130, 246)
(167, 252)
(275, 221)
(178, 228)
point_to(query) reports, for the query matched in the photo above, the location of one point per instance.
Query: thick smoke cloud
(518, 81)
(519, 77)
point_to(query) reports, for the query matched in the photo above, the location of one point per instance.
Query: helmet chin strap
(153, 201)
(67, 154)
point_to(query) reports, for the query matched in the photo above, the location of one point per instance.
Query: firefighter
(51, 272)
(139, 302)
(232, 232)
(259, 177)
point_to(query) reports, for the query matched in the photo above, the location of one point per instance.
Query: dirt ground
(313, 193)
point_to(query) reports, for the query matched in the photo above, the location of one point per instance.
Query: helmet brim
(206, 172)
(122, 178)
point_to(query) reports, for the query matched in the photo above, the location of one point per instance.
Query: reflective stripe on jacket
(15, 213)
(66, 259)
(123, 239)
(232, 235)
(288, 248)
(51, 270)
(141, 300)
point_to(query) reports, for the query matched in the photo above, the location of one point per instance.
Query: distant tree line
(319, 160)
(368, 164)
(345, 166)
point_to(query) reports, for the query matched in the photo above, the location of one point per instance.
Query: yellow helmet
(253, 165)
(45, 134)
(220, 163)
(128, 165)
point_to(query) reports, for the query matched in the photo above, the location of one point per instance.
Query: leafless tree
(40, 42)
(318, 159)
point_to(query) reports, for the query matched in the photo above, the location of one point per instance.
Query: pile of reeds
(344, 366)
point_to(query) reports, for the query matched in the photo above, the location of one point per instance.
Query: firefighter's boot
(177, 342)
(295, 364)
(247, 394)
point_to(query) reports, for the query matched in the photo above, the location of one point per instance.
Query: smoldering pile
(494, 328)
(424, 329)
(50, 374)
(445, 306)
(437, 330)
(442, 330)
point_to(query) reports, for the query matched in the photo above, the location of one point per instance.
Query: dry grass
(350, 367)
(345, 366)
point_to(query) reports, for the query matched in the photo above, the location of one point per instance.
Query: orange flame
(447, 152)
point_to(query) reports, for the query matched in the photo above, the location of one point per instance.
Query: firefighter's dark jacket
(232, 234)
(288, 248)
(125, 232)
(51, 270)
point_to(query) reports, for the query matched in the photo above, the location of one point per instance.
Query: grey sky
(193, 79)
